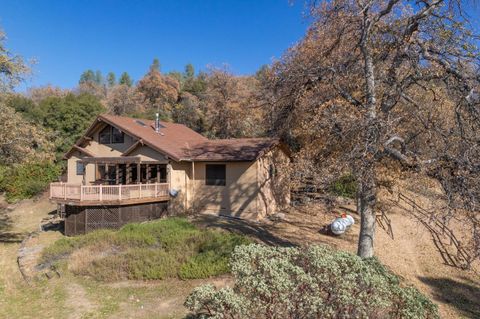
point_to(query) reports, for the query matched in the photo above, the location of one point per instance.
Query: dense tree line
(213, 102)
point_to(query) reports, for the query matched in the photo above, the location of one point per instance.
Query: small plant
(345, 186)
(313, 282)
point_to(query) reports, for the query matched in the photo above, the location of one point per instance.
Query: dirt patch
(411, 253)
(160, 298)
(78, 302)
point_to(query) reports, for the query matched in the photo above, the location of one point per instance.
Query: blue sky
(68, 37)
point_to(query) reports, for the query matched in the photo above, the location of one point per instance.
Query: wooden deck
(91, 195)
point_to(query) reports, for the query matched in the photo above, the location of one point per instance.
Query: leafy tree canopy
(68, 117)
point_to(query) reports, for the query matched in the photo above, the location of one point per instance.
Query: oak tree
(381, 85)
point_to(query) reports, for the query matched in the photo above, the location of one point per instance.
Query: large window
(215, 174)
(117, 135)
(80, 168)
(110, 135)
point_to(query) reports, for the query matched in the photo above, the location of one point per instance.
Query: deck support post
(139, 177)
(129, 174)
(117, 174)
(148, 173)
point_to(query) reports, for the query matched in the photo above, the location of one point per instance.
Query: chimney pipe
(157, 123)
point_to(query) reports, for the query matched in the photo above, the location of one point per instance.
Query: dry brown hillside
(407, 248)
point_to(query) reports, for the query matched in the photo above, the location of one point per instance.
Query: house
(125, 169)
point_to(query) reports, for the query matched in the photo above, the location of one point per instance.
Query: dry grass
(411, 254)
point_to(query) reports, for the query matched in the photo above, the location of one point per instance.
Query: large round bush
(313, 282)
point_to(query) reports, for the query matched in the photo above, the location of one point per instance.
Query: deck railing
(104, 193)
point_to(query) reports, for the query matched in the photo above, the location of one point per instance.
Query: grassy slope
(78, 297)
(167, 248)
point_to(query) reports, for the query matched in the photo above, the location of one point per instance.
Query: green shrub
(153, 264)
(171, 247)
(66, 245)
(345, 186)
(204, 265)
(4, 172)
(28, 179)
(214, 250)
(312, 282)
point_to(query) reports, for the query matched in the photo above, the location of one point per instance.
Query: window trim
(216, 181)
(78, 163)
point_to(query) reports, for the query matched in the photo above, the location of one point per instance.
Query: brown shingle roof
(181, 143)
(241, 149)
(172, 139)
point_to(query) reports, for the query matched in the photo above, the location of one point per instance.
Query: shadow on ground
(257, 231)
(464, 296)
(6, 233)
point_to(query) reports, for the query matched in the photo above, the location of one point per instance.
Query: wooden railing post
(100, 194)
(156, 192)
(81, 192)
(140, 191)
(120, 192)
(64, 191)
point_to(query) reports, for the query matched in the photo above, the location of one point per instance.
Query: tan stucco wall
(274, 191)
(237, 198)
(72, 176)
(147, 154)
(180, 180)
(250, 192)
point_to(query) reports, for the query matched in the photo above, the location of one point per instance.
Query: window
(105, 135)
(117, 135)
(215, 174)
(80, 168)
(106, 174)
(110, 135)
(102, 172)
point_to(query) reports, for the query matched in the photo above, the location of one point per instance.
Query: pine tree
(155, 65)
(189, 71)
(98, 77)
(125, 79)
(87, 76)
(111, 79)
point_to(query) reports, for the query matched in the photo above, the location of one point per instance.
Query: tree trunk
(367, 188)
(366, 209)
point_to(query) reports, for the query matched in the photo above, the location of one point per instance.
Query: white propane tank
(340, 224)
(174, 192)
